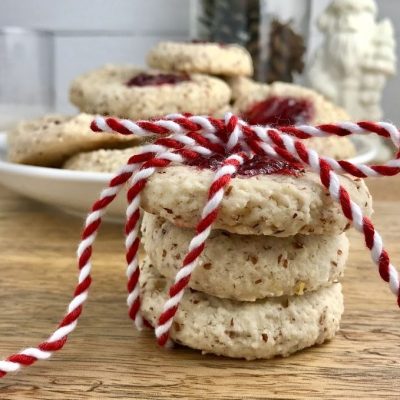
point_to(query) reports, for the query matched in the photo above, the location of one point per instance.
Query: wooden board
(106, 359)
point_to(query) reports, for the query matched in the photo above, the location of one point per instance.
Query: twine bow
(183, 138)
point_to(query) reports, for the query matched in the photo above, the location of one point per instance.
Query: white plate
(75, 191)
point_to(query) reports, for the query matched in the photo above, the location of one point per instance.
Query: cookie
(240, 86)
(128, 92)
(50, 140)
(338, 148)
(222, 112)
(287, 104)
(266, 328)
(247, 267)
(204, 57)
(276, 198)
(103, 160)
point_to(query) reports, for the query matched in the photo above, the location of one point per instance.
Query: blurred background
(61, 42)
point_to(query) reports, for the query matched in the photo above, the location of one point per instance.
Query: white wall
(391, 103)
(88, 33)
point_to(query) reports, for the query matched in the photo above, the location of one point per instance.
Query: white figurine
(356, 58)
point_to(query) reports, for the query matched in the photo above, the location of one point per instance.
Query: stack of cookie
(190, 77)
(257, 103)
(185, 79)
(204, 79)
(267, 281)
(198, 78)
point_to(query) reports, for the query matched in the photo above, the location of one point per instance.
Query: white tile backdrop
(89, 33)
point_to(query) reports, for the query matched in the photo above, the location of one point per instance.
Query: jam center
(279, 111)
(144, 79)
(258, 165)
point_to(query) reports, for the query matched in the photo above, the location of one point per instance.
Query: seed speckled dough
(207, 58)
(277, 205)
(247, 267)
(266, 328)
(105, 91)
(49, 141)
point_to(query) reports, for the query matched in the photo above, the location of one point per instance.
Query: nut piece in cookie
(204, 57)
(129, 92)
(281, 104)
(50, 140)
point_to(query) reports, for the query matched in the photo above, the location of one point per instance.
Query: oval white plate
(75, 191)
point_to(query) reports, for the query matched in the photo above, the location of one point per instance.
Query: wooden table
(106, 359)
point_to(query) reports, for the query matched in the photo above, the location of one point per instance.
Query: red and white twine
(185, 137)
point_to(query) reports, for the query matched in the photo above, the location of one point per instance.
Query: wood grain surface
(106, 359)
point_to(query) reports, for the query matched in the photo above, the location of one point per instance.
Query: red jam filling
(280, 111)
(157, 80)
(258, 165)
